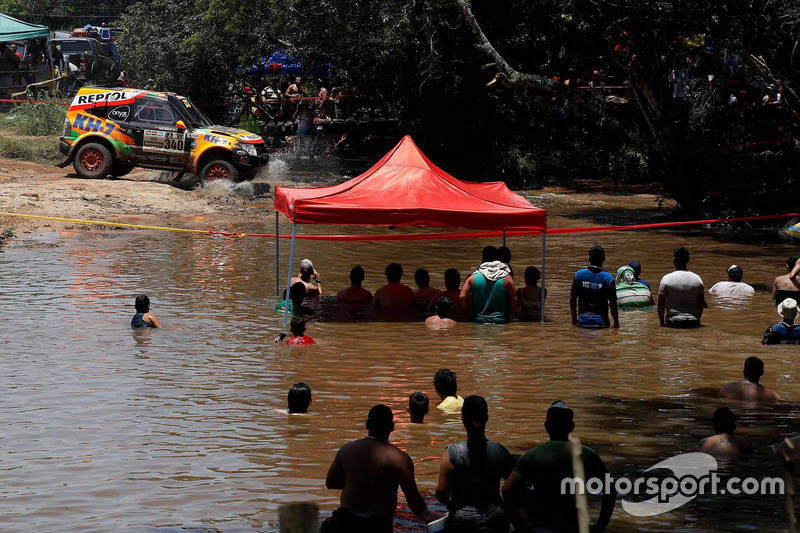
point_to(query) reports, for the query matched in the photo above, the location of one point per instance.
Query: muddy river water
(104, 428)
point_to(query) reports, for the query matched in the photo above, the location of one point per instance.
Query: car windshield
(196, 117)
(69, 47)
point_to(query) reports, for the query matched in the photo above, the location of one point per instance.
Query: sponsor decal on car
(119, 113)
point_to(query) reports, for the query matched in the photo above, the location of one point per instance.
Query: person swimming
(418, 407)
(299, 398)
(143, 317)
(442, 317)
(725, 446)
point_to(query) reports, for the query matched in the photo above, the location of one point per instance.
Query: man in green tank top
(489, 295)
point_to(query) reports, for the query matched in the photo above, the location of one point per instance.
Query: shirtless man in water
(725, 446)
(309, 277)
(749, 389)
(394, 293)
(368, 471)
(783, 287)
(442, 318)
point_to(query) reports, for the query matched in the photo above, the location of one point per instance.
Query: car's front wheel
(219, 169)
(93, 161)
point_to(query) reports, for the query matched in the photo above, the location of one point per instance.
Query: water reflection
(182, 427)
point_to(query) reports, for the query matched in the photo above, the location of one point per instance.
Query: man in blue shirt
(593, 292)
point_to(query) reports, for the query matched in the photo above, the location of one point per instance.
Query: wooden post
(299, 518)
(578, 473)
(788, 489)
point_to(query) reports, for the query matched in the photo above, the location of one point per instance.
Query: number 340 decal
(173, 141)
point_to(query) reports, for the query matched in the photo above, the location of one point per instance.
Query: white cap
(306, 264)
(788, 308)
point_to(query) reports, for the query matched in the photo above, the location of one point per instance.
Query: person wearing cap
(749, 389)
(368, 471)
(593, 293)
(734, 285)
(786, 331)
(306, 275)
(681, 295)
(783, 287)
(548, 507)
(637, 271)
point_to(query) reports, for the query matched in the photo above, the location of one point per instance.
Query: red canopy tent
(405, 188)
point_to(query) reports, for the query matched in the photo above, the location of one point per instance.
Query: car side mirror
(180, 125)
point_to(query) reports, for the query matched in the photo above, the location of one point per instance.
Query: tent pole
(277, 256)
(289, 279)
(504, 237)
(544, 268)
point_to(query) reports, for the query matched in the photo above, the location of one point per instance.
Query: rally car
(111, 131)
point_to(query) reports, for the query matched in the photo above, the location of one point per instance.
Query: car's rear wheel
(122, 169)
(93, 161)
(219, 169)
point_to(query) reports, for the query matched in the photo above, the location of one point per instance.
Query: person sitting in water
(681, 296)
(355, 294)
(299, 337)
(749, 389)
(504, 256)
(425, 293)
(143, 317)
(725, 445)
(394, 293)
(309, 277)
(452, 289)
(637, 271)
(489, 295)
(299, 398)
(734, 284)
(530, 296)
(368, 471)
(297, 293)
(470, 474)
(442, 318)
(548, 508)
(446, 386)
(631, 293)
(418, 407)
(786, 331)
(783, 287)
(593, 294)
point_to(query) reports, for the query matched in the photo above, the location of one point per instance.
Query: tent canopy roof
(12, 29)
(405, 189)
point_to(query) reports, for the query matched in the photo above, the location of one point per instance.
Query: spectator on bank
(749, 389)
(548, 508)
(470, 474)
(424, 293)
(394, 293)
(299, 398)
(418, 407)
(725, 446)
(355, 294)
(785, 331)
(734, 284)
(368, 471)
(593, 294)
(681, 296)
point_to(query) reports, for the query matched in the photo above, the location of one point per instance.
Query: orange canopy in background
(405, 189)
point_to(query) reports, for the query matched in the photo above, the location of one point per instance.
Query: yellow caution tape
(103, 223)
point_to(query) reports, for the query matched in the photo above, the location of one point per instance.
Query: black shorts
(343, 521)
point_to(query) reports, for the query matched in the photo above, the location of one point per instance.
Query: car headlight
(249, 148)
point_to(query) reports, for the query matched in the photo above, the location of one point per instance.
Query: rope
(410, 237)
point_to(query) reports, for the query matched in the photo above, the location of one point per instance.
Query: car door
(158, 142)
(105, 67)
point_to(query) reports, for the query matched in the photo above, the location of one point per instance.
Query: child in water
(298, 328)
(143, 317)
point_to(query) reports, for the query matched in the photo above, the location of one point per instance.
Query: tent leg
(544, 268)
(289, 278)
(277, 256)
(504, 237)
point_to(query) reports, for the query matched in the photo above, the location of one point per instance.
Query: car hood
(235, 133)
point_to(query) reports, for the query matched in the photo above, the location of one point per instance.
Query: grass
(35, 119)
(42, 151)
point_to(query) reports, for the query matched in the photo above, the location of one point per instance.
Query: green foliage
(44, 151)
(65, 14)
(35, 119)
